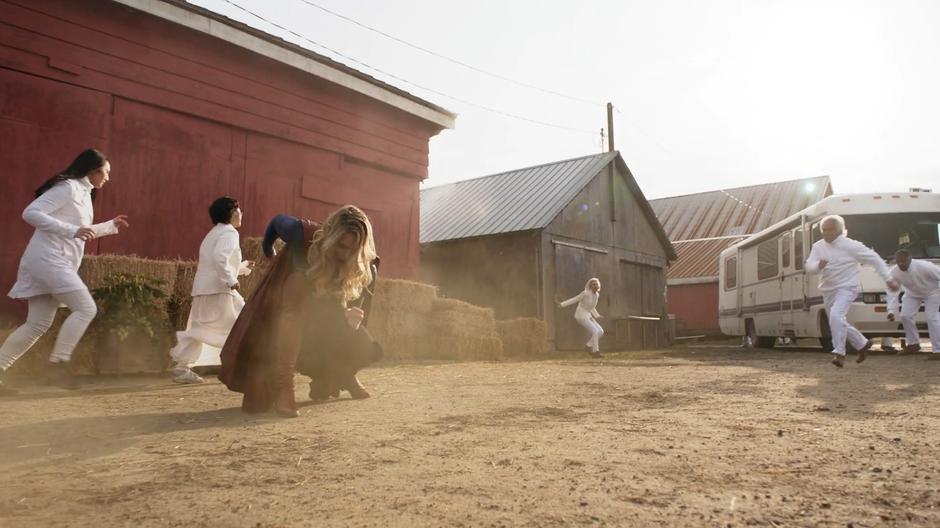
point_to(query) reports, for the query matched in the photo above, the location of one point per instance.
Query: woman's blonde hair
(345, 280)
(587, 285)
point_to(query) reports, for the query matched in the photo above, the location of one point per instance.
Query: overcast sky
(710, 94)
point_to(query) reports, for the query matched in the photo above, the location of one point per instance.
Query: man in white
(837, 258)
(921, 282)
(216, 303)
(586, 314)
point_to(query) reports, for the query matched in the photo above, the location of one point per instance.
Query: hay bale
(97, 269)
(459, 347)
(388, 325)
(397, 294)
(523, 337)
(457, 318)
(251, 250)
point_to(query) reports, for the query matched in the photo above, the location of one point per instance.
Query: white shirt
(921, 280)
(844, 257)
(587, 303)
(53, 255)
(220, 261)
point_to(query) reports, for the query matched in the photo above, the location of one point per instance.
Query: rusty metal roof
(699, 258)
(737, 211)
(511, 201)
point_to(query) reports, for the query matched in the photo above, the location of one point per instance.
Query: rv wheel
(754, 340)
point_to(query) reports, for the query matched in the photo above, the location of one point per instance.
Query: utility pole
(610, 127)
(610, 168)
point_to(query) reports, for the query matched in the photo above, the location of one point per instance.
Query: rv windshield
(885, 233)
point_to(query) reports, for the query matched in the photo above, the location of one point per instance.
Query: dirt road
(687, 437)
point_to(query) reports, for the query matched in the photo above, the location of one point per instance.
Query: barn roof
(701, 225)
(517, 200)
(244, 36)
(737, 211)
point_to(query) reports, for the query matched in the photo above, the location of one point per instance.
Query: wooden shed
(522, 240)
(190, 105)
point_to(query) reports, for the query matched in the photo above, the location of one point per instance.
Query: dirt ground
(685, 437)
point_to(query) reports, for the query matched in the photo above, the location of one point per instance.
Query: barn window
(785, 250)
(767, 255)
(731, 273)
(798, 257)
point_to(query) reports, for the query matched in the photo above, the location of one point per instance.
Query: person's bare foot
(837, 360)
(863, 352)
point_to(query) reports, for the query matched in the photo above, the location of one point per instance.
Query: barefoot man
(838, 258)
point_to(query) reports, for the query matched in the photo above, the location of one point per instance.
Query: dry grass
(523, 337)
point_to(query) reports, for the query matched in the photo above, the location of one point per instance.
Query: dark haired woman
(62, 214)
(216, 303)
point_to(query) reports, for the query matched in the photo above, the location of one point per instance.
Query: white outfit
(48, 272)
(839, 284)
(921, 283)
(585, 313)
(215, 304)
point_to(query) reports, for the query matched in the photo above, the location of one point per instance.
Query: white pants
(909, 307)
(210, 320)
(594, 329)
(838, 303)
(42, 309)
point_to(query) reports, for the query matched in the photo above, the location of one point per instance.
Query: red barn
(702, 225)
(190, 105)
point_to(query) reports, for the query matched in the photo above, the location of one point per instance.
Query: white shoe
(187, 376)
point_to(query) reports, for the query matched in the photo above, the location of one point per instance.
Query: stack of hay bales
(96, 269)
(523, 337)
(399, 317)
(412, 322)
(460, 330)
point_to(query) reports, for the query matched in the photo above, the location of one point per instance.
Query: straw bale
(454, 305)
(97, 269)
(451, 347)
(475, 321)
(398, 294)
(525, 336)
(251, 250)
(385, 326)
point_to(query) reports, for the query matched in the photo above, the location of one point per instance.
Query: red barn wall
(695, 307)
(186, 118)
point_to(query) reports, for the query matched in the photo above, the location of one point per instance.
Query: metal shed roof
(698, 259)
(737, 211)
(507, 202)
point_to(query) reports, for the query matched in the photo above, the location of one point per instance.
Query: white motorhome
(764, 292)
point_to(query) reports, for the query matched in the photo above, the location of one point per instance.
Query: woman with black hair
(216, 303)
(48, 277)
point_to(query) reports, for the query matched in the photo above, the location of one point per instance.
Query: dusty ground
(695, 437)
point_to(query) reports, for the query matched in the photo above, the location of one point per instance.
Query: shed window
(767, 255)
(731, 273)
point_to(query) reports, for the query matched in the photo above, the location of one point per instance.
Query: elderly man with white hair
(838, 259)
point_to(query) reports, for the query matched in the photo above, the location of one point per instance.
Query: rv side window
(731, 273)
(785, 250)
(798, 257)
(767, 254)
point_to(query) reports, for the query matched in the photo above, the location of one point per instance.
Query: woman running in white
(586, 314)
(62, 214)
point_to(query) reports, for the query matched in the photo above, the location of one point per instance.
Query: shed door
(570, 275)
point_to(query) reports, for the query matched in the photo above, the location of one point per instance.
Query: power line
(397, 78)
(451, 59)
